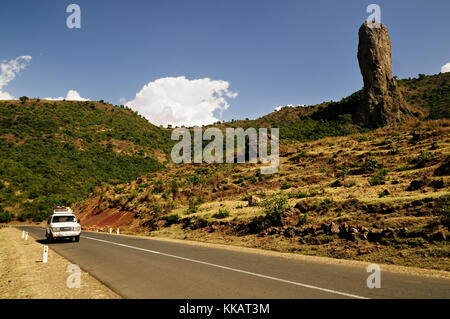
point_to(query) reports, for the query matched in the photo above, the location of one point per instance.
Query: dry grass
(307, 169)
(24, 276)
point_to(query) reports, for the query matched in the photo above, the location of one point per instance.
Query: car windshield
(63, 219)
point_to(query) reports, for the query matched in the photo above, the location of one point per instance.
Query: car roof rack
(62, 210)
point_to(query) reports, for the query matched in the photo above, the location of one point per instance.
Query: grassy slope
(55, 153)
(361, 180)
(210, 202)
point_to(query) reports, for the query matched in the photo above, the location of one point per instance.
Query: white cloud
(445, 68)
(6, 96)
(72, 95)
(9, 70)
(180, 101)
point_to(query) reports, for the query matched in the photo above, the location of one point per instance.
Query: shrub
(383, 193)
(172, 219)
(276, 204)
(325, 205)
(194, 179)
(222, 213)
(350, 184)
(5, 216)
(193, 206)
(23, 99)
(286, 185)
(422, 159)
(157, 187)
(173, 187)
(371, 164)
(379, 177)
(363, 138)
(302, 219)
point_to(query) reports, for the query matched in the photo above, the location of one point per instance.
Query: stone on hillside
(254, 200)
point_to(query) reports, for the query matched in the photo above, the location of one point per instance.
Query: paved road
(146, 268)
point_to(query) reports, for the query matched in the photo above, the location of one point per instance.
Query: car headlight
(55, 229)
(77, 228)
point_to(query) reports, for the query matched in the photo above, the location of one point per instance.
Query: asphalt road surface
(148, 268)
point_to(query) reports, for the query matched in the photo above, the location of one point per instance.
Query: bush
(286, 185)
(379, 177)
(422, 159)
(222, 213)
(172, 219)
(277, 204)
(5, 216)
(193, 206)
(23, 99)
(302, 219)
(157, 187)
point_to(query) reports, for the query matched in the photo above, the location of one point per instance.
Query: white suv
(63, 224)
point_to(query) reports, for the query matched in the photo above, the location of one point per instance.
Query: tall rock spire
(382, 103)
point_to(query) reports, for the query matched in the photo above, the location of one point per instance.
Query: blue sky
(271, 53)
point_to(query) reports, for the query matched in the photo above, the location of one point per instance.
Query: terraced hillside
(381, 196)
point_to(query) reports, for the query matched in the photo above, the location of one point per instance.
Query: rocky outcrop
(382, 103)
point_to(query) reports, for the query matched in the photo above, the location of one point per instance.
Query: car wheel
(77, 238)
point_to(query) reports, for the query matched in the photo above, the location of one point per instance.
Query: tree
(23, 99)
(173, 186)
(5, 216)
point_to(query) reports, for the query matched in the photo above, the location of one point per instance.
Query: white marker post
(110, 230)
(23, 234)
(45, 254)
(26, 236)
(118, 231)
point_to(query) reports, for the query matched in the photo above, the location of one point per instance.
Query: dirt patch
(24, 276)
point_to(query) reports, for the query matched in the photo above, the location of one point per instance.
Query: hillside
(428, 96)
(380, 196)
(56, 152)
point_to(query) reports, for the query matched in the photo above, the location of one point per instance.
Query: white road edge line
(231, 269)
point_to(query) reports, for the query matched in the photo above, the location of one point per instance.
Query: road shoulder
(23, 275)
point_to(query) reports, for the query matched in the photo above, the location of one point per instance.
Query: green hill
(429, 96)
(55, 153)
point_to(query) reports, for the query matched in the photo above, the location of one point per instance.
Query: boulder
(302, 206)
(375, 235)
(334, 228)
(337, 183)
(417, 184)
(439, 236)
(254, 200)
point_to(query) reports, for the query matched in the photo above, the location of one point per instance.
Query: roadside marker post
(118, 233)
(45, 254)
(23, 234)
(26, 236)
(110, 230)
